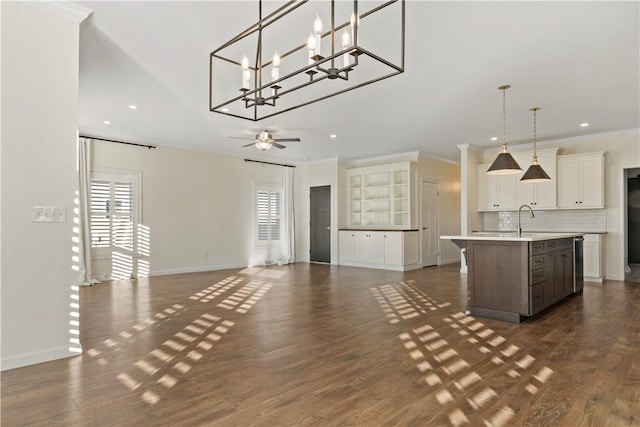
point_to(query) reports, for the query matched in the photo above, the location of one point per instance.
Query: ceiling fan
(264, 141)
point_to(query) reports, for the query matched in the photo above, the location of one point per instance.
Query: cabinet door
(592, 195)
(507, 192)
(369, 247)
(546, 193)
(347, 246)
(525, 194)
(411, 247)
(564, 273)
(496, 192)
(393, 248)
(591, 251)
(487, 191)
(568, 183)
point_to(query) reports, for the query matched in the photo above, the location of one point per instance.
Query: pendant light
(535, 173)
(504, 164)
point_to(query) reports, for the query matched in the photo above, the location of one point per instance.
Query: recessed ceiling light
(107, 122)
(494, 138)
(224, 110)
(584, 125)
(333, 135)
(133, 107)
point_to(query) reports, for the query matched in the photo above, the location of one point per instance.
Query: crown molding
(552, 143)
(469, 147)
(411, 156)
(63, 8)
(439, 159)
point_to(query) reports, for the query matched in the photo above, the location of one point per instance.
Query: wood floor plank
(322, 345)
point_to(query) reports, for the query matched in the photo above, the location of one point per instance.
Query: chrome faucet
(530, 216)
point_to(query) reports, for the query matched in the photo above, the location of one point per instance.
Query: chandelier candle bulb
(275, 70)
(346, 42)
(317, 33)
(311, 47)
(246, 74)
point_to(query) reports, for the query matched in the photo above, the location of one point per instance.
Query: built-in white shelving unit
(380, 196)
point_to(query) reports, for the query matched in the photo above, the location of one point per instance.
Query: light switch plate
(49, 214)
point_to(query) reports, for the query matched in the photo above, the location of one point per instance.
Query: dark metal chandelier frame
(322, 68)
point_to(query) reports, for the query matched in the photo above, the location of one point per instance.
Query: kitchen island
(512, 276)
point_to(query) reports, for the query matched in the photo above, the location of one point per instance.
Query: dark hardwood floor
(311, 344)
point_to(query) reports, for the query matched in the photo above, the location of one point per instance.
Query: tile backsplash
(583, 221)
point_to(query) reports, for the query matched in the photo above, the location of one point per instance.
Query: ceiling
(578, 61)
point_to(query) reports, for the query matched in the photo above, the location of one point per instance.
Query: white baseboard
(36, 357)
(449, 261)
(194, 269)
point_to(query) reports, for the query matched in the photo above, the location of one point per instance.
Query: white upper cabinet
(581, 181)
(381, 196)
(539, 195)
(496, 192)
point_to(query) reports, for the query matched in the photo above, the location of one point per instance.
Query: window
(114, 212)
(268, 210)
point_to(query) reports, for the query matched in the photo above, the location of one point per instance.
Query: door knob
(327, 228)
(424, 228)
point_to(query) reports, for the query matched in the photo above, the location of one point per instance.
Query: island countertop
(513, 237)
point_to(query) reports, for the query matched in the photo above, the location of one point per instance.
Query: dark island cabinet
(510, 280)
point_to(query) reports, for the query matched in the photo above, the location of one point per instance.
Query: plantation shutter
(123, 214)
(113, 211)
(100, 214)
(268, 215)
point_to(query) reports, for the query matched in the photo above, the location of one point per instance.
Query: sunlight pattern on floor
(216, 289)
(404, 301)
(244, 298)
(130, 334)
(461, 386)
(164, 366)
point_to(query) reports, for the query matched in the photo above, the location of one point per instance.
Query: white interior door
(429, 223)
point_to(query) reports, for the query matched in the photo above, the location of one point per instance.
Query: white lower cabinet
(592, 257)
(369, 247)
(390, 250)
(347, 246)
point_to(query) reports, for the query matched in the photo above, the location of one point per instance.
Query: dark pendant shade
(535, 173)
(504, 164)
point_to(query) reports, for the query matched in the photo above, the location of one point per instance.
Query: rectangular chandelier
(289, 59)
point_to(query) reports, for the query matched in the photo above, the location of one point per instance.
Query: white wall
(39, 111)
(198, 206)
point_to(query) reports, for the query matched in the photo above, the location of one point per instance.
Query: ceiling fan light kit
(264, 141)
(504, 164)
(360, 47)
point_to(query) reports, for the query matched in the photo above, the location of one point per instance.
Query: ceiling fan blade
(249, 145)
(240, 137)
(287, 139)
(275, 144)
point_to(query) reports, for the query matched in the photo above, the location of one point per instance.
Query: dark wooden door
(320, 240)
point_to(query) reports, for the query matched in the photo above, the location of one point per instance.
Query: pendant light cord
(504, 116)
(535, 126)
